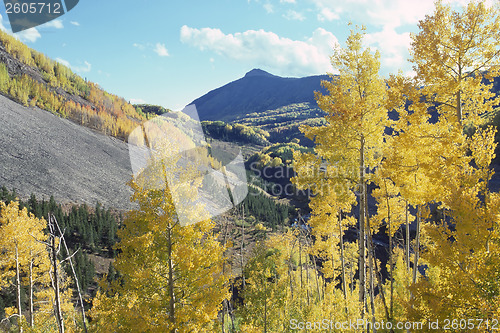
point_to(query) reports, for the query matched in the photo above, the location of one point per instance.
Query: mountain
(257, 91)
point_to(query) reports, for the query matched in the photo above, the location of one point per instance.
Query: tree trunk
(77, 283)
(342, 260)
(31, 290)
(59, 317)
(315, 272)
(370, 279)
(391, 259)
(417, 246)
(407, 240)
(307, 284)
(379, 279)
(171, 303)
(225, 303)
(459, 97)
(371, 257)
(223, 314)
(18, 285)
(300, 265)
(361, 236)
(231, 309)
(242, 244)
(265, 315)
(290, 277)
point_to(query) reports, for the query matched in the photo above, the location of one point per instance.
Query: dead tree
(77, 283)
(55, 249)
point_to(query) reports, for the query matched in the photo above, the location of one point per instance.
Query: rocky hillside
(44, 154)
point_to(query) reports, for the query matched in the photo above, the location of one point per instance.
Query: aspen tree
(350, 143)
(274, 294)
(462, 252)
(172, 275)
(21, 253)
(22, 231)
(453, 53)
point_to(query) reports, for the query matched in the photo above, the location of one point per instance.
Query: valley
(368, 197)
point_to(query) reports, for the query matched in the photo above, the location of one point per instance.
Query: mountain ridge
(257, 91)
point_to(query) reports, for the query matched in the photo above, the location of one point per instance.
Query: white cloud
(287, 1)
(269, 8)
(139, 46)
(75, 23)
(161, 50)
(392, 46)
(85, 68)
(29, 35)
(57, 24)
(261, 48)
(387, 18)
(292, 15)
(158, 48)
(380, 12)
(327, 14)
(32, 34)
(137, 101)
(64, 62)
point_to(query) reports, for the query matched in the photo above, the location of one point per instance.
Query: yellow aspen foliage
(463, 251)
(351, 141)
(391, 206)
(451, 54)
(281, 285)
(172, 274)
(22, 254)
(265, 294)
(401, 279)
(419, 148)
(25, 260)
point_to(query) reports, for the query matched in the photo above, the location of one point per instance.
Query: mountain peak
(258, 72)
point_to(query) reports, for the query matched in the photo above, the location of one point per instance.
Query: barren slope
(43, 154)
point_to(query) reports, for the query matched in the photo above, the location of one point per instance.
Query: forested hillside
(32, 79)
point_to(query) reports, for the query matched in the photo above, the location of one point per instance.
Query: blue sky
(171, 52)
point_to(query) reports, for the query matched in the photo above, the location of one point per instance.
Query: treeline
(49, 85)
(235, 132)
(283, 123)
(262, 207)
(93, 229)
(292, 112)
(278, 154)
(149, 111)
(267, 210)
